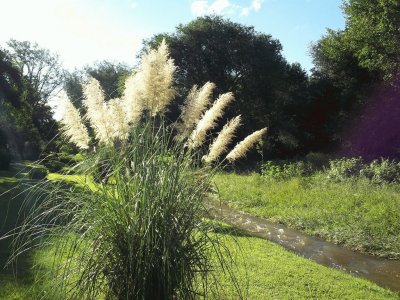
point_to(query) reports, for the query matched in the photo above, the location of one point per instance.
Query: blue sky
(83, 31)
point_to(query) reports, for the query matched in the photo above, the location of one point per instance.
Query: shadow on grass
(16, 279)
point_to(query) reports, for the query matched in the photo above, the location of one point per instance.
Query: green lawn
(264, 271)
(270, 271)
(355, 213)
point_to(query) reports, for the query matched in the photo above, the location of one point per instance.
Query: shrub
(382, 171)
(296, 169)
(285, 170)
(343, 168)
(271, 170)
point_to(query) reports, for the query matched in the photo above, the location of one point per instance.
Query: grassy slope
(356, 214)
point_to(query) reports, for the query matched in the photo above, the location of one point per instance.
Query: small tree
(42, 69)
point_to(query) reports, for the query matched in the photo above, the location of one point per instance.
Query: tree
(339, 87)
(370, 42)
(111, 76)
(362, 64)
(41, 68)
(10, 81)
(17, 124)
(248, 63)
(373, 33)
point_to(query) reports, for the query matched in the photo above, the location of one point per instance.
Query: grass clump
(378, 171)
(133, 227)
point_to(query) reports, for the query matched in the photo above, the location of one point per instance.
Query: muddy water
(385, 273)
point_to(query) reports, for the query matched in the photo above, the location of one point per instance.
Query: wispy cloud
(224, 7)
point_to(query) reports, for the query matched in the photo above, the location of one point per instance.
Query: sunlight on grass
(265, 270)
(354, 213)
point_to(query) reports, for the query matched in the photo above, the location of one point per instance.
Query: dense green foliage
(360, 68)
(111, 76)
(354, 213)
(372, 32)
(304, 113)
(377, 171)
(29, 75)
(353, 69)
(268, 90)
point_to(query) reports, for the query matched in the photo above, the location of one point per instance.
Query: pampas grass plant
(140, 234)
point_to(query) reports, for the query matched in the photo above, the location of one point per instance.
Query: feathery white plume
(71, 124)
(117, 120)
(157, 74)
(208, 121)
(97, 111)
(195, 104)
(241, 149)
(132, 98)
(222, 141)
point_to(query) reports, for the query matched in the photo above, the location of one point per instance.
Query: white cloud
(224, 7)
(199, 7)
(254, 6)
(134, 5)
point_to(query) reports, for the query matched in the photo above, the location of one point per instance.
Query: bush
(343, 168)
(271, 170)
(296, 169)
(285, 170)
(382, 171)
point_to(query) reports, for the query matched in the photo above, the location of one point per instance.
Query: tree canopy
(111, 76)
(27, 78)
(373, 33)
(268, 90)
(361, 64)
(40, 67)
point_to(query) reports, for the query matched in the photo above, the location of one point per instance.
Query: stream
(383, 272)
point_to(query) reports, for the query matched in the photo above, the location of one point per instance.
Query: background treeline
(348, 104)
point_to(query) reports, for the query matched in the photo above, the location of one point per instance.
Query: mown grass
(264, 270)
(354, 213)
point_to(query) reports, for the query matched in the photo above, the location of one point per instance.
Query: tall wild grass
(134, 228)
